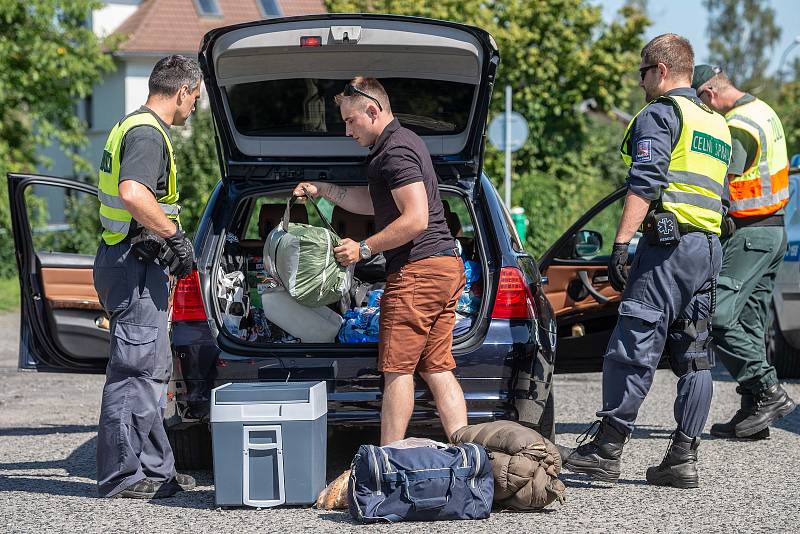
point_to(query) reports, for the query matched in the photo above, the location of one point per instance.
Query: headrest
(271, 214)
(353, 225)
(453, 222)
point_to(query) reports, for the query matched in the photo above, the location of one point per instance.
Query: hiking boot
(179, 482)
(186, 482)
(600, 458)
(770, 405)
(728, 430)
(143, 489)
(679, 466)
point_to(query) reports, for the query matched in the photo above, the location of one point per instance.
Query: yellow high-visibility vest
(114, 217)
(763, 189)
(698, 165)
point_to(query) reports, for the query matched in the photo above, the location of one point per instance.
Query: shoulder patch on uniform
(644, 150)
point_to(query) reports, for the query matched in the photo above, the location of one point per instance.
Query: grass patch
(9, 294)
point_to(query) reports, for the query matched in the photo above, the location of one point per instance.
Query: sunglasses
(644, 70)
(349, 90)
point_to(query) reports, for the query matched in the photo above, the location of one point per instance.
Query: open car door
(585, 304)
(56, 232)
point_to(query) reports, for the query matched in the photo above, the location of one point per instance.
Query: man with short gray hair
(142, 245)
(678, 151)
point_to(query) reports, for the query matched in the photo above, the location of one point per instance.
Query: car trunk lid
(271, 85)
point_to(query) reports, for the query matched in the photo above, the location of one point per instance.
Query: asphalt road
(47, 446)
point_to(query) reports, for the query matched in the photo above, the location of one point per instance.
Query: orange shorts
(418, 314)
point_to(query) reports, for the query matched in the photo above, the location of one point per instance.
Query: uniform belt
(769, 220)
(448, 252)
(687, 228)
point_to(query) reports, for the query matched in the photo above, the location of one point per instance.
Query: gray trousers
(665, 284)
(131, 440)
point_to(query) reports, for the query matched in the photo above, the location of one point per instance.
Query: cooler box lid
(269, 401)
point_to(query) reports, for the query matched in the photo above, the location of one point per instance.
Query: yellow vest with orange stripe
(763, 189)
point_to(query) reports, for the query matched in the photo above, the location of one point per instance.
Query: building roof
(161, 27)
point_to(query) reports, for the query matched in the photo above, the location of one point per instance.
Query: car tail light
(187, 303)
(513, 299)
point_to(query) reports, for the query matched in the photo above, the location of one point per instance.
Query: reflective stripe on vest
(763, 188)
(114, 216)
(698, 164)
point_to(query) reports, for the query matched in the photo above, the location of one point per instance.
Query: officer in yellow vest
(753, 248)
(139, 215)
(678, 150)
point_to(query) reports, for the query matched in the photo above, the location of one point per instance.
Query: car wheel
(781, 354)
(191, 446)
(547, 424)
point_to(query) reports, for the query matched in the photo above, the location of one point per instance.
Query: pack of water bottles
(361, 325)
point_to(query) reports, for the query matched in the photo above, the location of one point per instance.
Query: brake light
(187, 303)
(513, 299)
(311, 40)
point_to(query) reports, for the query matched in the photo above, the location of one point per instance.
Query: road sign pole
(508, 147)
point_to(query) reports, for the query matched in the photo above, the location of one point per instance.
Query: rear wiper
(426, 122)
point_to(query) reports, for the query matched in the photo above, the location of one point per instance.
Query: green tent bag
(300, 257)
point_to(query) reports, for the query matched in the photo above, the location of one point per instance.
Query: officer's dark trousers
(664, 284)
(131, 440)
(752, 258)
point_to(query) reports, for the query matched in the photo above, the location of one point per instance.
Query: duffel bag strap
(429, 503)
(290, 203)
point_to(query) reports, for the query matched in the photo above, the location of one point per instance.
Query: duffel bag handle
(429, 503)
(290, 203)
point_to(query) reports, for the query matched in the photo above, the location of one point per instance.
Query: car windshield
(305, 106)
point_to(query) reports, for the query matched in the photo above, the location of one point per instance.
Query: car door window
(62, 220)
(595, 239)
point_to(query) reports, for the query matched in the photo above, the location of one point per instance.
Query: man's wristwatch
(364, 251)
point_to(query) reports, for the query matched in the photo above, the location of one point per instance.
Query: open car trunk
(252, 308)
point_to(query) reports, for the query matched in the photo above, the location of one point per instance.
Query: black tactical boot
(728, 430)
(600, 458)
(679, 466)
(770, 405)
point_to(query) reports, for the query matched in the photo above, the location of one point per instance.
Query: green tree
(556, 54)
(49, 60)
(742, 34)
(198, 166)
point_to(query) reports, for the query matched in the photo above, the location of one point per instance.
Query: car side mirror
(587, 244)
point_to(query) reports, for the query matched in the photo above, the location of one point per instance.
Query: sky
(689, 18)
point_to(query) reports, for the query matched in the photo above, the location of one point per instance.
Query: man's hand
(311, 188)
(617, 266)
(183, 262)
(728, 227)
(348, 252)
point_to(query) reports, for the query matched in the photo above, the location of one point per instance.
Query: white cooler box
(269, 442)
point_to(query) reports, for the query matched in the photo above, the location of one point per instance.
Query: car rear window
(305, 106)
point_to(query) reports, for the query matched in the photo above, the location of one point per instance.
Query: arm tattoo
(337, 194)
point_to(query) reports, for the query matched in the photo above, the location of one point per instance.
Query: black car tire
(781, 354)
(547, 424)
(191, 446)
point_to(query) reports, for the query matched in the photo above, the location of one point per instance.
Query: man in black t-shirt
(425, 275)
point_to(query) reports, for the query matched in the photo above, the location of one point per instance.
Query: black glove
(728, 227)
(617, 266)
(183, 260)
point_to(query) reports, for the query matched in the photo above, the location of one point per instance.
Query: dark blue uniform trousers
(131, 439)
(666, 283)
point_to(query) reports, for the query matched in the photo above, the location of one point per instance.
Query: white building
(152, 29)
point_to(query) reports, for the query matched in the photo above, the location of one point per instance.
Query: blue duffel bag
(420, 483)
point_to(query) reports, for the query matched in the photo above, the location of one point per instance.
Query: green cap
(703, 73)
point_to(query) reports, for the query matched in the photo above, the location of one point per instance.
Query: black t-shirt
(399, 157)
(144, 157)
